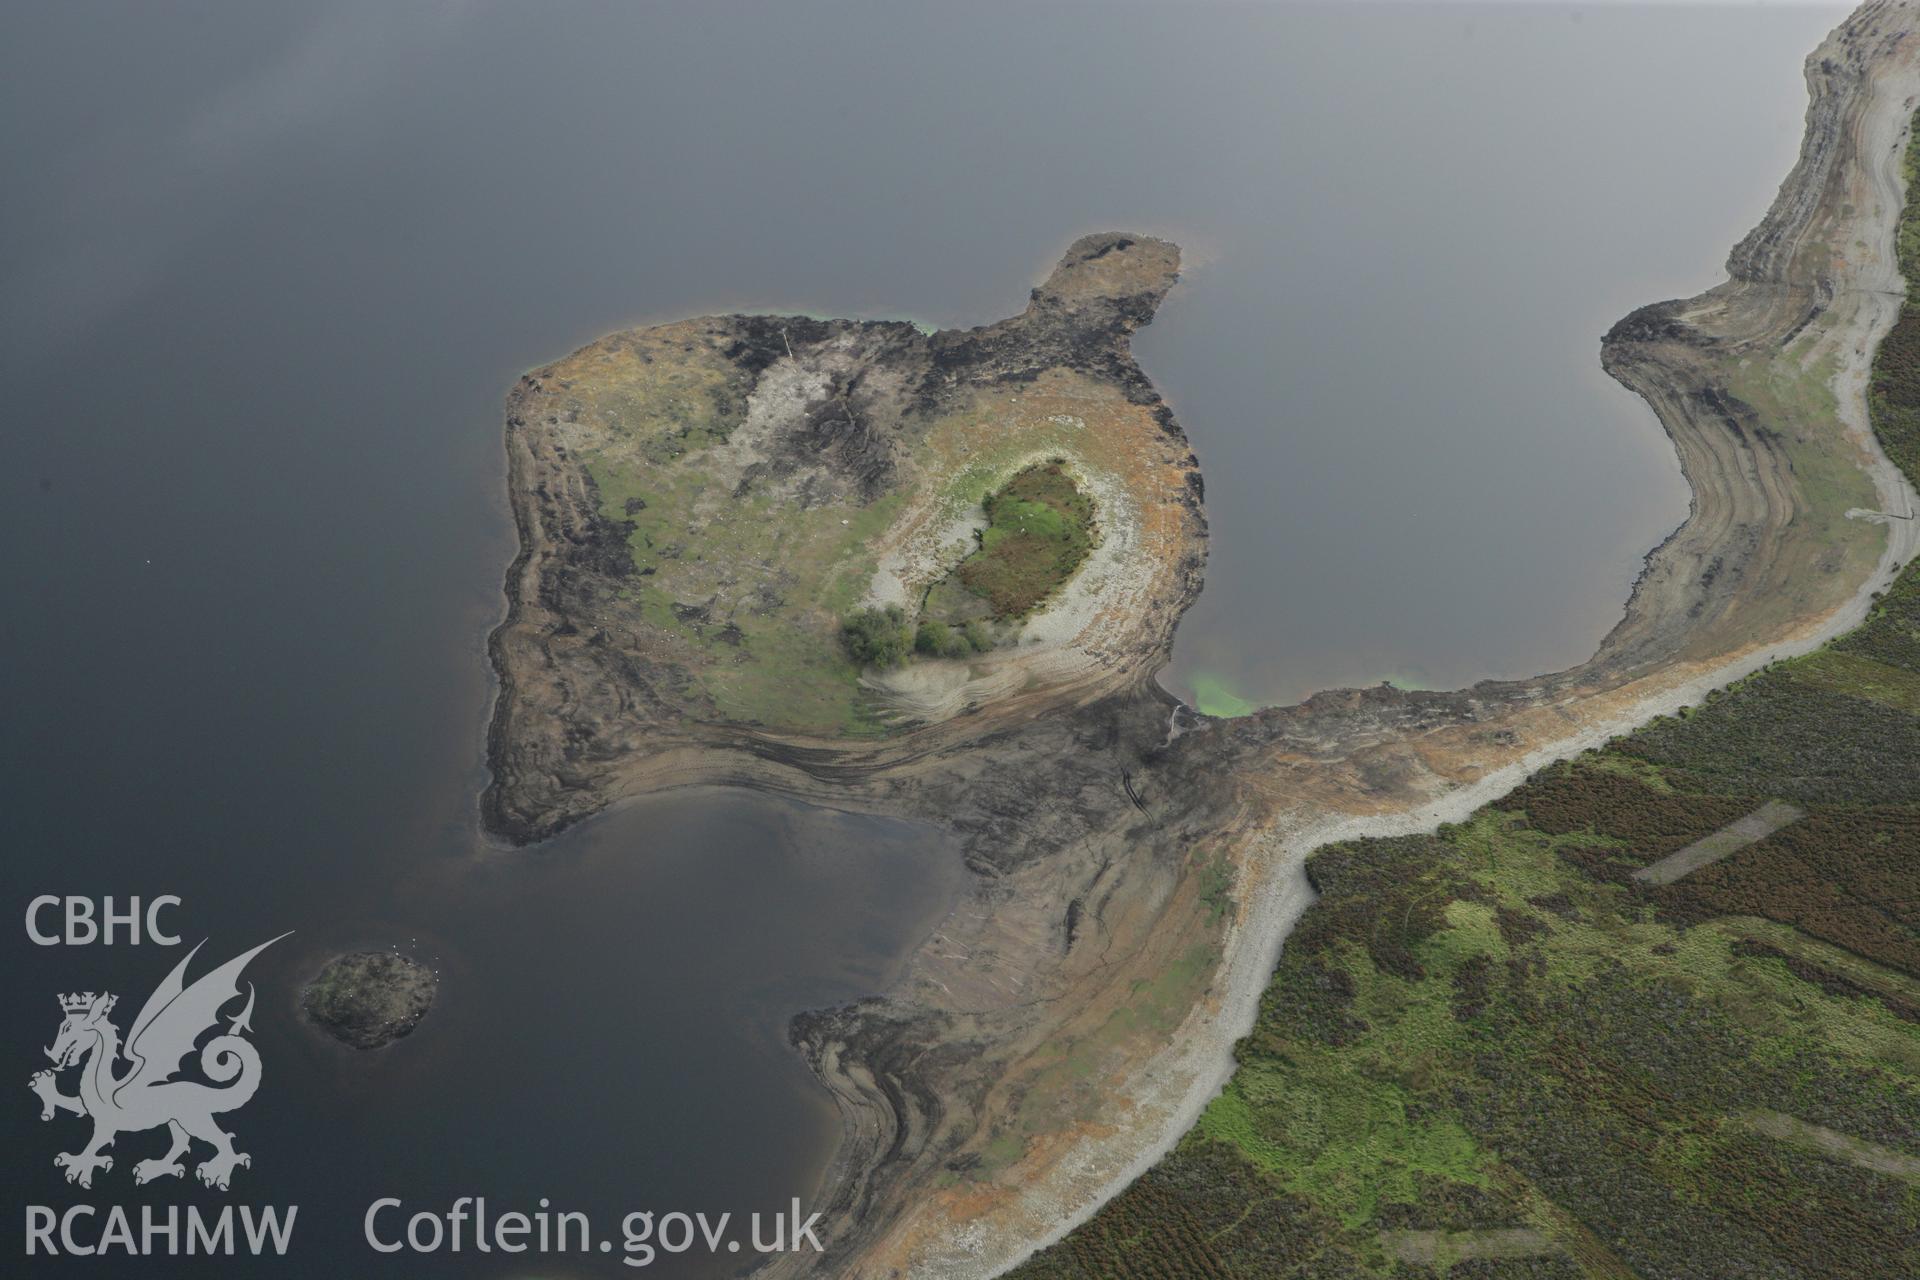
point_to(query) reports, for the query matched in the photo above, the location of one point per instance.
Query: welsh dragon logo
(146, 1095)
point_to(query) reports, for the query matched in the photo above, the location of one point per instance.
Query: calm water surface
(269, 270)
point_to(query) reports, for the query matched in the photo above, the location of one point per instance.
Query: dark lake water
(268, 271)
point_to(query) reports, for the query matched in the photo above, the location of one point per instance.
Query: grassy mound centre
(1039, 532)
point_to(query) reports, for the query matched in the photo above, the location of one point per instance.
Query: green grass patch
(1862, 677)
(1039, 532)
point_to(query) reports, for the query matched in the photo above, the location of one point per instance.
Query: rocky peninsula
(702, 505)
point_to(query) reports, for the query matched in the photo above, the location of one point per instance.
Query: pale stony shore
(1168, 1093)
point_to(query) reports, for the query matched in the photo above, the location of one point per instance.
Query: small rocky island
(370, 998)
(769, 536)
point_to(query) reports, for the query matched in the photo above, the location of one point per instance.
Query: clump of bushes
(878, 637)
(938, 640)
(886, 638)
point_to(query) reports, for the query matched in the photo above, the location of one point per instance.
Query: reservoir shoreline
(1878, 118)
(967, 1139)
